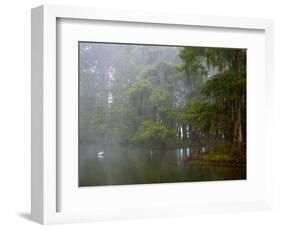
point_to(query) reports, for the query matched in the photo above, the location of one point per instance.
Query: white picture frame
(46, 181)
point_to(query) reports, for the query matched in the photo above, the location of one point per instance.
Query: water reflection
(101, 157)
(203, 149)
(182, 154)
(124, 165)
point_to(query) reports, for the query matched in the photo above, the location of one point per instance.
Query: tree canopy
(160, 96)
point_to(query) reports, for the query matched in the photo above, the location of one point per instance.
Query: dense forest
(162, 97)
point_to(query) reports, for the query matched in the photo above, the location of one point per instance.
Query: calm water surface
(122, 165)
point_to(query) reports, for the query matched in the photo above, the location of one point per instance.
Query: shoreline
(215, 163)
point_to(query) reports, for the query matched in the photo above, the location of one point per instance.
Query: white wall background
(15, 112)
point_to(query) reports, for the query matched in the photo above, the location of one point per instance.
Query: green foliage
(158, 93)
(219, 108)
(200, 114)
(98, 117)
(139, 95)
(158, 97)
(224, 86)
(154, 133)
(193, 60)
(174, 114)
(218, 157)
(220, 153)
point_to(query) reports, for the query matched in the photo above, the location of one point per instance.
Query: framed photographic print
(139, 114)
(158, 114)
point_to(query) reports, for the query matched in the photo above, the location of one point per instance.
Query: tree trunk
(184, 131)
(237, 136)
(179, 131)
